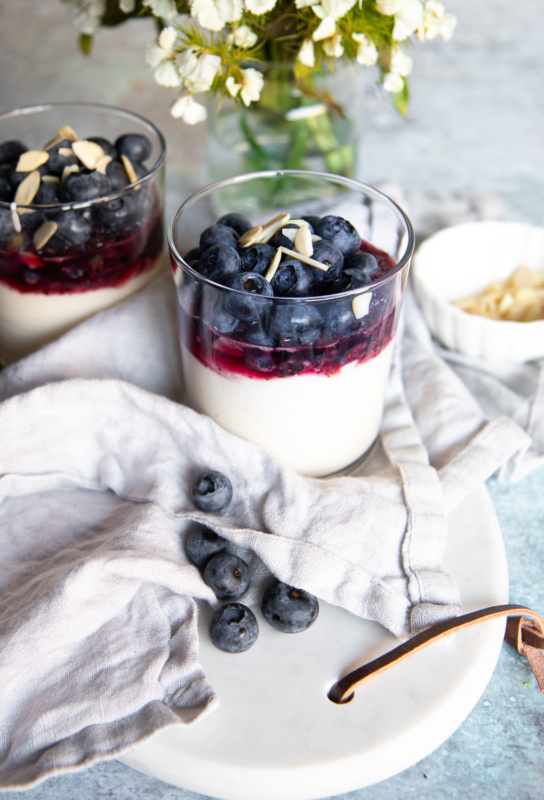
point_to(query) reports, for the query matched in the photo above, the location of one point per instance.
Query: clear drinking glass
(303, 377)
(68, 250)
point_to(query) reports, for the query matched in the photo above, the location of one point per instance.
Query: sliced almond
(129, 169)
(27, 189)
(274, 264)
(273, 226)
(361, 304)
(303, 242)
(102, 163)
(89, 153)
(305, 259)
(251, 236)
(16, 242)
(66, 152)
(44, 233)
(31, 160)
(68, 170)
(15, 218)
(52, 142)
(67, 132)
(50, 179)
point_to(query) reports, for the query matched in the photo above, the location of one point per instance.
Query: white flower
(164, 9)
(436, 22)
(367, 53)
(393, 83)
(408, 16)
(328, 12)
(249, 89)
(187, 109)
(400, 66)
(333, 46)
(162, 57)
(304, 3)
(127, 6)
(89, 17)
(243, 36)
(306, 53)
(198, 71)
(214, 14)
(259, 7)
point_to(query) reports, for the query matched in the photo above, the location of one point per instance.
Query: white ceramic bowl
(461, 261)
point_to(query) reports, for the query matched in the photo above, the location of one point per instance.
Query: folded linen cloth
(98, 638)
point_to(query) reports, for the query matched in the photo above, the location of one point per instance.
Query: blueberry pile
(267, 326)
(234, 627)
(50, 249)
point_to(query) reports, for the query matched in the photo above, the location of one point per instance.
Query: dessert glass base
(310, 393)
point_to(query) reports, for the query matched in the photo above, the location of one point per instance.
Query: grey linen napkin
(98, 637)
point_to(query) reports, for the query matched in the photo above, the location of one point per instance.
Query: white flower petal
(167, 75)
(232, 87)
(333, 47)
(325, 29)
(167, 39)
(127, 6)
(393, 83)
(306, 54)
(252, 84)
(243, 36)
(187, 109)
(367, 53)
(259, 7)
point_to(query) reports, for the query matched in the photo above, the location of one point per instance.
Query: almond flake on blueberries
(27, 189)
(66, 152)
(67, 132)
(305, 259)
(15, 218)
(50, 179)
(361, 304)
(89, 153)
(303, 242)
(44, 233)
(129, 169)
(31, 160)
(273, 226)
(16, 242)
(102, 163)
(251, 236)
(68, 170)
(274, 264)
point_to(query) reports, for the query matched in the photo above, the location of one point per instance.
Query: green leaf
(85, 43)
(401, 99)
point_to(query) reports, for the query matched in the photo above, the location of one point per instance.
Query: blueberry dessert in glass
(81, 217)
(288, 316)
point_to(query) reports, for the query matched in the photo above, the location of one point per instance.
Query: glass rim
(401, 263)
(118, 111)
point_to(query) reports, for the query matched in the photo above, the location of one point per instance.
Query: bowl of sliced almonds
(480, 286)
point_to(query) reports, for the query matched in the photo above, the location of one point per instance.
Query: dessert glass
(48, 285)
(316, 404)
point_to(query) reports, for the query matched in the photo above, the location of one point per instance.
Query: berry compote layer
(301, 374)
(80, 229)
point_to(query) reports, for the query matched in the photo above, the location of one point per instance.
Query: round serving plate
(276, 734)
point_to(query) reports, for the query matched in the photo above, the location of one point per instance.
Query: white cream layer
(316, 424)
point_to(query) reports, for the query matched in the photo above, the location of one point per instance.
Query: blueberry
(116, 174)
(292, 279)
(6, 224)
(312, 222)
(365, 262)
(47, 194)
(10, 151)
(329, 255)
(257, 335)
(219, 263)
(217, 234)
(6, 191)
(234, 628)
(295, 324)
(82, 186)
(339, 319)
(288, 609)
(256, 258)
(117, 214)
(238, 222)
(227, 575)
(202, 544)
(135, 146)
(249, 303)
(339, 232)
(211, 491)
(351, 279)
(58, 161)
(215, 315)
(281, 240)
(73, 227)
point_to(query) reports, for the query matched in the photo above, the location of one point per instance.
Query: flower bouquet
(272, 60)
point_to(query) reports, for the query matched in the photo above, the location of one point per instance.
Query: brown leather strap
(527, 635)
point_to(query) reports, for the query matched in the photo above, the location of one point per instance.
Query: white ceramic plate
(276, 735)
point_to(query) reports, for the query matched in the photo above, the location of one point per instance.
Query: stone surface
(473, 138)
